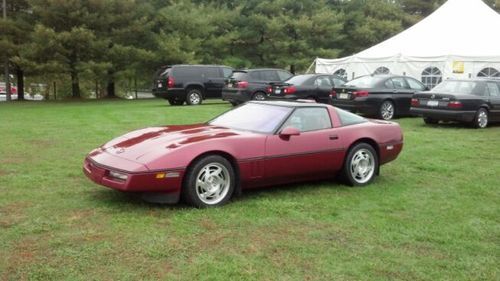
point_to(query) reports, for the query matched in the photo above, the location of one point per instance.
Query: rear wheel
(209, 182)
(175, 102)
(259, 96)
(387, 110)
(360, 165)
(194, 96)
(430, 121)
(480, 119)
(234, 103)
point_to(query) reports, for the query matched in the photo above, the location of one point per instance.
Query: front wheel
(386, 110)
(194, 97)
(361, 165)
(480, 119)
(209, 182)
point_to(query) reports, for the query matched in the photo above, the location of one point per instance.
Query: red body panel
(262, 160)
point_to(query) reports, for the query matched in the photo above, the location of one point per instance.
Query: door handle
(334, 137)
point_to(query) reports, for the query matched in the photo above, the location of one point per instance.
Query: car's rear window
(162, 72)
(300, 80)
(348, 118)
(456, 87)
(364, 82)
(239, 75)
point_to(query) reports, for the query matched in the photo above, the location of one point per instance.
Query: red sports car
(253, 145)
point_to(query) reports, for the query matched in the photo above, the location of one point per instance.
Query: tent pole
(309, 68)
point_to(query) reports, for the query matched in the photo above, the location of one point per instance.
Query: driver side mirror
(287, 132)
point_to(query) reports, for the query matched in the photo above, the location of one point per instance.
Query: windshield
(298, 80)
(364, 82)
(457, 87)
(261, 118)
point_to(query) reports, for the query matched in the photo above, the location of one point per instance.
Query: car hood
(137, 144)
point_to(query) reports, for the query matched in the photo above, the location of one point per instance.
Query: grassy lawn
(433, 214)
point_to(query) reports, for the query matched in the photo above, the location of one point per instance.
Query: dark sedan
(316, 87)
(380, 96)
(251, 84)
(476, 102)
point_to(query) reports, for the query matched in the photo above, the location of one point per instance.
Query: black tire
(387, 110)
(259, 96)
(192, 192)
(430, 121)
(233, 103)
(349, 176)
(175, 102)
(194, 96)
(481, 119)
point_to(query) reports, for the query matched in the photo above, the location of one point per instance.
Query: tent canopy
(460, 32)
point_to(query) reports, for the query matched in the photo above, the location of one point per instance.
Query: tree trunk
(20, 83)
(111, 89)
(111, 86)
(75, 84)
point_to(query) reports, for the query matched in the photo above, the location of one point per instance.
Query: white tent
(461, 39)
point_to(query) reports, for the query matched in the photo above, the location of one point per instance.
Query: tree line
(97, 44)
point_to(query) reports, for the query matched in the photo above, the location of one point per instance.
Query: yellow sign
(458, 67)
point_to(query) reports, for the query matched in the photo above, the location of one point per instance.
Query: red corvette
(253, 145)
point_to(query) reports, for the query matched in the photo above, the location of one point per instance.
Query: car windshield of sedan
(261, 118)
(457, 87)
(364, 82)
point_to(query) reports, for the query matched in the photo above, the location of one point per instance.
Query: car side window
(309, 119)
(399, 83)
(388, 84)
(270, 75)
(211, 72)
(415, 85)
(255, 75)
(493, 89)
(284, 75)
(323, 82)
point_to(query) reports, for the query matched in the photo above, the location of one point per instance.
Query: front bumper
(444, 114)
(146, 181)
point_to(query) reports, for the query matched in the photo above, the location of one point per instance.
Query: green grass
(433, 214)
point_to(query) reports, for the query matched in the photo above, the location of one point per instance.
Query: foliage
(102, 41)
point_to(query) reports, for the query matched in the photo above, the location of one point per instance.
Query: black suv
(252, 84)
(190, 83)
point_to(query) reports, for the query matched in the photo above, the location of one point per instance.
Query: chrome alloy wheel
(482, 119)
(212, 183)
(362, 166)
(194, 98)
(387, 110)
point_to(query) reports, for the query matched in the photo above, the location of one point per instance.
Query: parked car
(317, 87)
(190, 83)
(476, 102)
(260, 143)
(252, 84)
(3, 92)
(380, 96)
